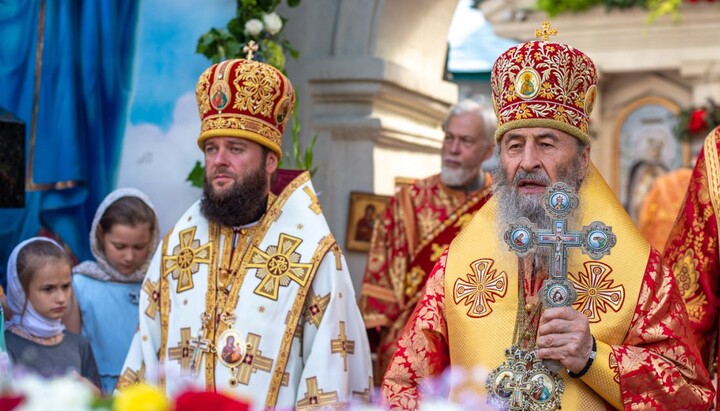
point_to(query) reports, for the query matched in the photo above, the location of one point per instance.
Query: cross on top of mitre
(546, 32)
(523, 237)
(250, 48)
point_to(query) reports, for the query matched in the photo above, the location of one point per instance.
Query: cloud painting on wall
(159, 148)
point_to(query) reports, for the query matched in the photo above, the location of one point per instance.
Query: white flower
(253, 27)
(273, 23)
(439, 405)
(66, 393)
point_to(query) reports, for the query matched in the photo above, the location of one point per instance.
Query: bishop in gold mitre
(624, 343)
(249, 293)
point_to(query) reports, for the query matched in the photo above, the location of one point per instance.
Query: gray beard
(456, 177)
(512, 205)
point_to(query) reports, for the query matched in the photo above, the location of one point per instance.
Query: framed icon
(366, 209)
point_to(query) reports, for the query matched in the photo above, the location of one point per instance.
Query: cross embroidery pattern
(342, 345)
(596, 292)
(253, 360)
(278, 265)
(314, 203)
(181, 352)
(130, 377)
(480, 288)
(316, 306)
(364, 396)
(314, 396)
(338, 260)
(186, 259)
(152, 289)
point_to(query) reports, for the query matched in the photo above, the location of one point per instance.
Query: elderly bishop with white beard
(490, 306)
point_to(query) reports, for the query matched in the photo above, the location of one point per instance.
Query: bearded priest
(248, 293)
(421, 220)
(547, 327)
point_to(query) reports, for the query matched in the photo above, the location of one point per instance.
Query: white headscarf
(100, 269)
(30, 321)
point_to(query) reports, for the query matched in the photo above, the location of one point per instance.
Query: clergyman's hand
(564, 335)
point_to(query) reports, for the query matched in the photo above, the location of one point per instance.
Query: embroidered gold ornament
(246, 99)
(544, 84)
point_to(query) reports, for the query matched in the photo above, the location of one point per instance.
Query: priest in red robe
(421, 220)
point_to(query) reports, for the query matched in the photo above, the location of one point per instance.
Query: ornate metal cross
(520, 388)
(200, 346)
(546, 31)
(595, 240)
(523, 383)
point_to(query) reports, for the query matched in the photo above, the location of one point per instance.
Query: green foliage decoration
(697, 122)
(655, 8)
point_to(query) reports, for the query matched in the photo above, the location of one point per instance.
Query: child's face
(126, 247)
(50, 289)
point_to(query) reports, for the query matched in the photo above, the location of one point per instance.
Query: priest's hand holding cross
(564, 335)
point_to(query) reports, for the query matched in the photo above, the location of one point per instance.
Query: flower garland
(697, 121)
(655, 8)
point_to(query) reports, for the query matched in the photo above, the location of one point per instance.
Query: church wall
(414, 33)
(408, 165)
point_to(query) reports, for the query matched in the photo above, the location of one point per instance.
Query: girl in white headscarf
(123, 237)
(39, 293)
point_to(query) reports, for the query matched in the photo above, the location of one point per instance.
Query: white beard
(456, 177)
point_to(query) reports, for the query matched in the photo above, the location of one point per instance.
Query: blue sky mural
(167, 65)
(159, 148)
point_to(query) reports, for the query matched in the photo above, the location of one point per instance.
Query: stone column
(370, 84)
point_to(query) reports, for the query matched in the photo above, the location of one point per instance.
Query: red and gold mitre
(544, 84)
(246, 99)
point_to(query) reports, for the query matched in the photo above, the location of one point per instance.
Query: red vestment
(646, 355)
(692, 250)
(420, 222)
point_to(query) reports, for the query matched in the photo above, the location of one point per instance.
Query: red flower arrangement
(697, 121)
